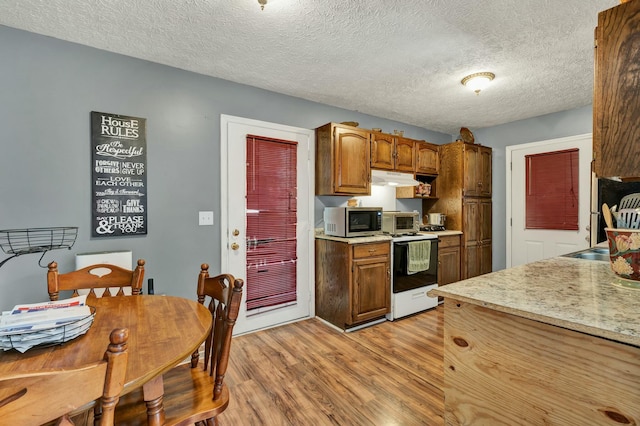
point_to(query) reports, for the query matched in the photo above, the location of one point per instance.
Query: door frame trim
(509, 174)
(225, 121)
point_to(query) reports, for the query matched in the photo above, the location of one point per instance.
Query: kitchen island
(551, 342)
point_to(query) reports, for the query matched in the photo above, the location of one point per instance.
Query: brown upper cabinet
(477, 170)
(427, 160)
(616, 110)
(392, 152)
(342, 160)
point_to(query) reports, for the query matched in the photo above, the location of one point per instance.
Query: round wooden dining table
(163, 331)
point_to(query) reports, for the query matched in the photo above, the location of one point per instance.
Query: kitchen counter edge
(575, 294)
(355, 240)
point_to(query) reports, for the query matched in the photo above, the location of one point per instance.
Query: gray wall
(562, 124)
(48, 89)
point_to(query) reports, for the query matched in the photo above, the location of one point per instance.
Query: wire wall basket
(36, 240)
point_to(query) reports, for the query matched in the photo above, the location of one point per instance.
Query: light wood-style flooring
(308, 373)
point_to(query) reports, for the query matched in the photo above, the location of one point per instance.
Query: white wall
(551, 126)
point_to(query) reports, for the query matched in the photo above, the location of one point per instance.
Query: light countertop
(353, 240)
(376, 238)
(442, 233)
(580, 295)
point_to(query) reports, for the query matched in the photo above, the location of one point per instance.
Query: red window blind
(271, 222)
(552, 190)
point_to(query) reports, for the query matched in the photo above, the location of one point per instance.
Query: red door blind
(552, 190)
(271, 222)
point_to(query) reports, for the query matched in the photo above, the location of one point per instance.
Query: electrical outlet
(205, 218)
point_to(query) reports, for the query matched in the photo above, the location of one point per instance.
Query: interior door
(240, 231)
(529, 245)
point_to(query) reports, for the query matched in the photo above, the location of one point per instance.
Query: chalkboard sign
(119, 175)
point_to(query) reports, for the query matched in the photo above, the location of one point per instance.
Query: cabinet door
(471, 221)
(426, 158)
(472, 261)
(485, 229)
(448, 265)
(616, 110)
(382, 151)
(484, 171)
(485, 263)
(351, 161)
(484, 219)
(405, 155)
(471, 228)
(470, 171)
(371, 288)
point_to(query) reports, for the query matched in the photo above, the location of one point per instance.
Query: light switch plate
(205, 218)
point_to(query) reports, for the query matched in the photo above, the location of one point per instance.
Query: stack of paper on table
(26, 326)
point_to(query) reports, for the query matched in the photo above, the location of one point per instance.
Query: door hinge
(511, 222)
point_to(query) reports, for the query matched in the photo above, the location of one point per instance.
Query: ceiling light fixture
(262, 3)
(478, 81)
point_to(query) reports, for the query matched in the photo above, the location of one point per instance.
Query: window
(271, 222)
(552, 190)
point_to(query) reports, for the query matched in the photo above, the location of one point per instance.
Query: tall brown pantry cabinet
(464, 196)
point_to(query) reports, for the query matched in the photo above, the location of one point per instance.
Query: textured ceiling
(398, 59)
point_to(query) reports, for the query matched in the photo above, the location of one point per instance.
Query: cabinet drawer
(370, 250)
(449, 241)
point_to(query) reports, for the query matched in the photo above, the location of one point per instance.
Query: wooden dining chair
(41, 396)
(195, 393)
(98, 279)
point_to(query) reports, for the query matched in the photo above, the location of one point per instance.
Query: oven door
(402, 280)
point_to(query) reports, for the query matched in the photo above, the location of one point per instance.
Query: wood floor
(308, 373)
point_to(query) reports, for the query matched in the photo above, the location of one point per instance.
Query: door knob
(235, 246)
(236, 232)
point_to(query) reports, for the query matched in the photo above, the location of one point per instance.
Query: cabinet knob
(235, 246)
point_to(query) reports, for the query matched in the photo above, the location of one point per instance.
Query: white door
(530, 245)
(233, 221)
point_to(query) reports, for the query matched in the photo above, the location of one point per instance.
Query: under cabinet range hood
(381, 177)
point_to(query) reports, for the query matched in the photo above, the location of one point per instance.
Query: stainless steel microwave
(400, 223)
(352, 221)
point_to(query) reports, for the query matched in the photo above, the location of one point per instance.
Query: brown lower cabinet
(353, 282)
(476, 257)
(448, 259)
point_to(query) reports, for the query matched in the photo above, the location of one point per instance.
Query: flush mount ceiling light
(478, 81)
(262, 3)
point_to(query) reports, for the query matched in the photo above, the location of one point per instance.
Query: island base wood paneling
(501, 369)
